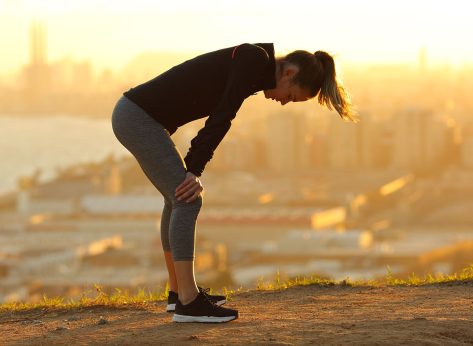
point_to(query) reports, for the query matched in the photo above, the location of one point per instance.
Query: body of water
(51, 142)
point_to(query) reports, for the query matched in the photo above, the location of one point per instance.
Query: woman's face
(285, 91)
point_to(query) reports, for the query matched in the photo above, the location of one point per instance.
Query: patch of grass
(122, 298)
(277, 284)
(465, 275)
(117, 299)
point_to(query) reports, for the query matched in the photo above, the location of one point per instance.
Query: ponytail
(332, 93)
(317, 74)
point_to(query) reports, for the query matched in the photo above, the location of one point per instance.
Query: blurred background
(290, 189)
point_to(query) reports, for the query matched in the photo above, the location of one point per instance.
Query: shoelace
(204, 290)
(206, 295)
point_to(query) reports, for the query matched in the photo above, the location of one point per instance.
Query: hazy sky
(110, 33)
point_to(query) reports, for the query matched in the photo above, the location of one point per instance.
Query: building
(288, 142)
(420, 137)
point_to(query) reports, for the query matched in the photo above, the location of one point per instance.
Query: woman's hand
(189, 189)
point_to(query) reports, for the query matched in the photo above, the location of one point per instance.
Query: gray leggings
(152, 146)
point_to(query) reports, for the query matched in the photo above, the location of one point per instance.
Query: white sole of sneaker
(207, 319)
(172, 307)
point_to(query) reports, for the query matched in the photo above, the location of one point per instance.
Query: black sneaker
(173, 297)
(201, 309)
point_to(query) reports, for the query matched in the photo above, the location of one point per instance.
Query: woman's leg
(162, 163)
(173, 286)
(165, 219)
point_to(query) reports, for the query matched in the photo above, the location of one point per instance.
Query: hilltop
(428, 314)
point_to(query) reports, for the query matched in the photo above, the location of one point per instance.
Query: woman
(214, 84)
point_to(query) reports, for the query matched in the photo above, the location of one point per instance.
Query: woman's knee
(167, 202)
(195, 204)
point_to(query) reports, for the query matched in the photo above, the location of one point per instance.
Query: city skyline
(402, 30)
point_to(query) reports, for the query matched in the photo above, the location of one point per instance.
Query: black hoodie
(213, 84)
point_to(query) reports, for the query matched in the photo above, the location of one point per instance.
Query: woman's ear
(290, 71)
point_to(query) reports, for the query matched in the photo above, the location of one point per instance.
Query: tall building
(344, 144)
(236, 152)
(467, 145)
(364, 145)
(420, 137)
(38, 53)
(36, 73)
(288, 139)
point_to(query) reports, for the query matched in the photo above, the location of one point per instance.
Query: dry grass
(123, 298)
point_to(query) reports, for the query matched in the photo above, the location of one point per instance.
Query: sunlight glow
(112, 33)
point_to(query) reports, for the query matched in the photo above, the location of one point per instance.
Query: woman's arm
(246, 68)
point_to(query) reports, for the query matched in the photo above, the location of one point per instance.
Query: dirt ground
(438, 314)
